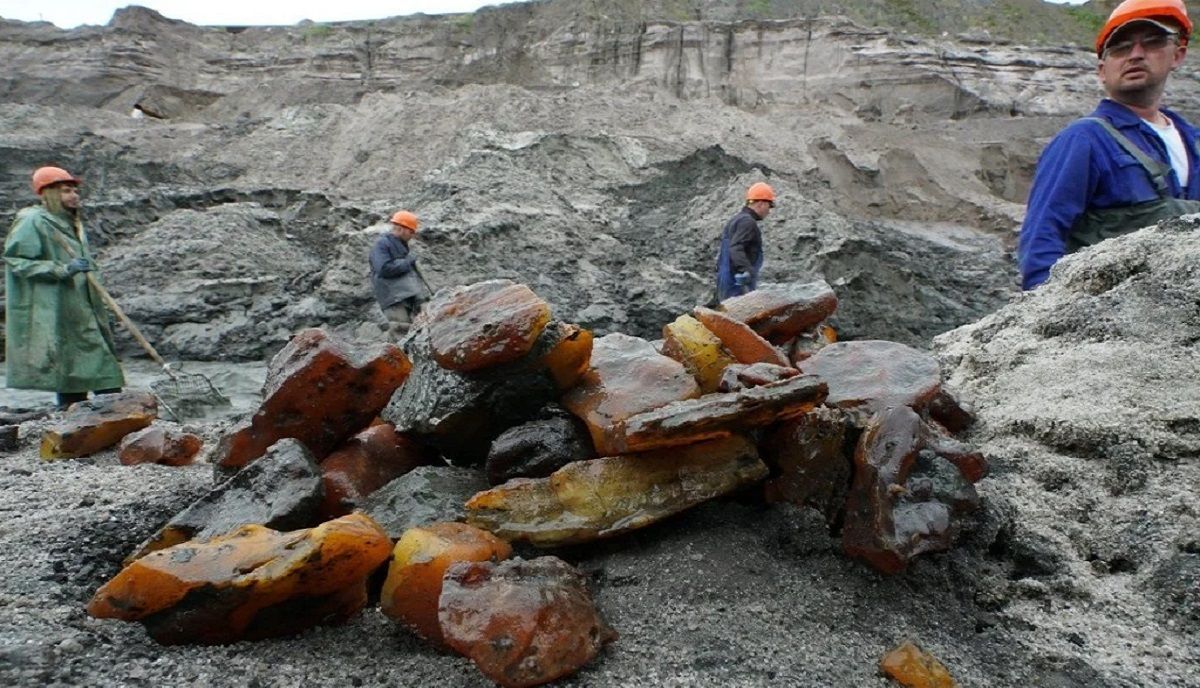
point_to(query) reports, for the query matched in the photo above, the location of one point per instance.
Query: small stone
(523, 623)
(912, 667)
(160, 445)
(97, 424)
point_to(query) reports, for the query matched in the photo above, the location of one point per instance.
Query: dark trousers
(65, 399)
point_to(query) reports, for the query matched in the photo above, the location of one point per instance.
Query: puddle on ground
(241, 383)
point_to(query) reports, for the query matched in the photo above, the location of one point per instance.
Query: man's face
(1137, 62)
(69, 193)
(403, 232)
(762, 208)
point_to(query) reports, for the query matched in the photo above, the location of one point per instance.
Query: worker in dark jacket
(1131, 162)
(741, 256)
(398, 289)
(57, 332)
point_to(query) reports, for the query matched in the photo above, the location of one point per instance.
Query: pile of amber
(581, 437)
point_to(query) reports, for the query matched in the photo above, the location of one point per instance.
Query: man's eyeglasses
(1121, 49)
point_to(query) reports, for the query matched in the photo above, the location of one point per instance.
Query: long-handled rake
(180, 394)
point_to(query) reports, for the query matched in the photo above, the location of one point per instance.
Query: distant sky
(67, 14)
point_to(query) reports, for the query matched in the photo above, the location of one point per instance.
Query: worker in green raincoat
(57, 333)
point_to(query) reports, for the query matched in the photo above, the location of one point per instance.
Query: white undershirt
(1169, 134)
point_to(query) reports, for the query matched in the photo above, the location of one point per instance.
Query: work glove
(79, 265)
(741, 280)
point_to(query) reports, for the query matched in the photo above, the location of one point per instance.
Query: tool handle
(112, 304)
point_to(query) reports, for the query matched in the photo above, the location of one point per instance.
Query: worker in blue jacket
(1131, 162)
(740, 257)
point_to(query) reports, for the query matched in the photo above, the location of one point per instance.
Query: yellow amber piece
(912, 667)
(699, 350)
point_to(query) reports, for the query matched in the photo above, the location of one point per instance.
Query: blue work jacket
(1084, 168)
(741, 251)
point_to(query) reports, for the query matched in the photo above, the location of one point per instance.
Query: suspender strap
(1157, 170)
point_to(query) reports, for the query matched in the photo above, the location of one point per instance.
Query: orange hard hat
(1132, 10)
(405, 219)
(45, 176)
(760, 191)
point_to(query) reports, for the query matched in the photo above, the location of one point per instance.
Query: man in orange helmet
(398, 289)
(741, 256)
(57, 333)
(1131, 162)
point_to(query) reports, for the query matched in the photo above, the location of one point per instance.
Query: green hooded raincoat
(57, 333)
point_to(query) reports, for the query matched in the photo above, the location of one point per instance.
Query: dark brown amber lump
(743, 342)
(97, 424)
(367, 462)
(780, 312)
(420, 558)
(320, 391)
(523, 623)
(159, 445)
(587, 500)
(484, 324)
(812, 467)
(912, 667)
(253, 583)
(627, 377)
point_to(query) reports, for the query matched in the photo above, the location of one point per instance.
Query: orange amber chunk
(252, 583)
(367, 462)
(912, 667)
(779, 312)
(570, 359)
(627, 377)
(159, 445)
(872, 375)
(422, 555)
(320, 391)
(744, 343)
(484, 324)
(97, 424)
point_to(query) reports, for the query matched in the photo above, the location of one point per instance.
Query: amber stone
(571, 357)
(811, 465)
(160, 445)
(740, 376)
(282, 490)
(627, 377)
(808, 343)
(780, 312)
(912, 667)
(523, 623)
(718, 415)
(484, 324)
(906, 498)
(320, 391)
(951, 412)
(97, 424)
(367, 462)
(872, 375)
(252, 583)
(587, 500)
(699, 350)
(420, 558)
(743, 342)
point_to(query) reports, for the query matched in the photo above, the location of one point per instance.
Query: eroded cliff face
(594, 160)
